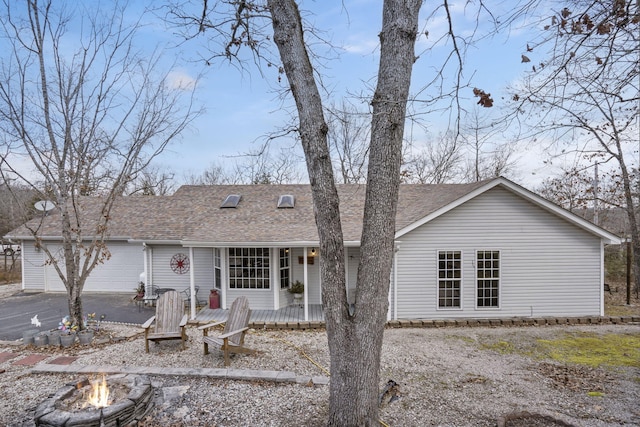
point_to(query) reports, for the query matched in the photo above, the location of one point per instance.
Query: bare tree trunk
(85, 127)
(355, 339)
(633, 223)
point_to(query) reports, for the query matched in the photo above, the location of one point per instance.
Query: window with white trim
(217, 268)
(449, 279)
(285, 272)
(249, 268)
(488, 279)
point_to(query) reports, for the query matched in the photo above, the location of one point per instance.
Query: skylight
(231, 201)
(286, 201)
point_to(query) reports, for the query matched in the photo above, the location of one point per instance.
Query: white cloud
(180, 79)
(361, 45)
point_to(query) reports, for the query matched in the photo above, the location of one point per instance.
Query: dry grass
(615, 303)
(10, 275)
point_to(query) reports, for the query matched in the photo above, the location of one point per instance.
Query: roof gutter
(155, 242)
(288, 244)
(59, 238)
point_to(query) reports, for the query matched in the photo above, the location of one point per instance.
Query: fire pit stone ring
(52, 412)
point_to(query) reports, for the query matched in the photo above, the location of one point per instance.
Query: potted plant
(140, 290)
(67, 332)
(297, 289)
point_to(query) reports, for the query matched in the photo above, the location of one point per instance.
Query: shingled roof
(193, 214)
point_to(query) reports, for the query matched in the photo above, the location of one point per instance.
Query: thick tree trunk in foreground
(355, 339)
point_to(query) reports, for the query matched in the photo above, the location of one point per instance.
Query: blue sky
(241, 108)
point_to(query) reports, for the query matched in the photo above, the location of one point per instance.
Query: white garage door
(120, 273)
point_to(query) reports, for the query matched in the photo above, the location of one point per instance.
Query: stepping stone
(4, 356)
(31, 359)
(63, 360)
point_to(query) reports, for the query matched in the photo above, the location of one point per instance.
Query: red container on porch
(214, 299)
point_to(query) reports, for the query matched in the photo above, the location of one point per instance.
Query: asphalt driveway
(17, 310)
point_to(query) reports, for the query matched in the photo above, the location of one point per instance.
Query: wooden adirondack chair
(232, 338)
(169, 322)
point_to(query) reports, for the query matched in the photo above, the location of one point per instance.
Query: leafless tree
(572, 190)
(348, 139)
(355, 332)
(262, 167)
(586, 95)
(16, 206)
(152, 181)
(89, 112)
(215, 174)
(489, 156)
(255, 167)
(439, 161)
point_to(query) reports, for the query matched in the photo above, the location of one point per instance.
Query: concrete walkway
(43, 363)
(217, 373)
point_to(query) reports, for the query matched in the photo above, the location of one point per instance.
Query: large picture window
(285, 272)
(249, 268)
(488, 278)
(449, 278)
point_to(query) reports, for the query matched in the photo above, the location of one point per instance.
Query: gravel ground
(446, 376)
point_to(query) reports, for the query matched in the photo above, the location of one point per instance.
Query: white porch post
(224, 268)
(192, 280)
(145, 259)
(150, 261)
(275, 277)
(306, 286)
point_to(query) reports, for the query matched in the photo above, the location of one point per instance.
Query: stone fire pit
(132, 400)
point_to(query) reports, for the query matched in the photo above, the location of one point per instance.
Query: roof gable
(522, 192)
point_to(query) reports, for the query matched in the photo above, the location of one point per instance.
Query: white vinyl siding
(548, 266)
(202, 264)
(163, 276)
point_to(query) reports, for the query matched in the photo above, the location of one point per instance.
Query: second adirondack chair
(231, 340)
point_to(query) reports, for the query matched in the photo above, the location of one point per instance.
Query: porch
(292, 314)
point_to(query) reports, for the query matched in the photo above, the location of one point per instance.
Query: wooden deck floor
(291, 314)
